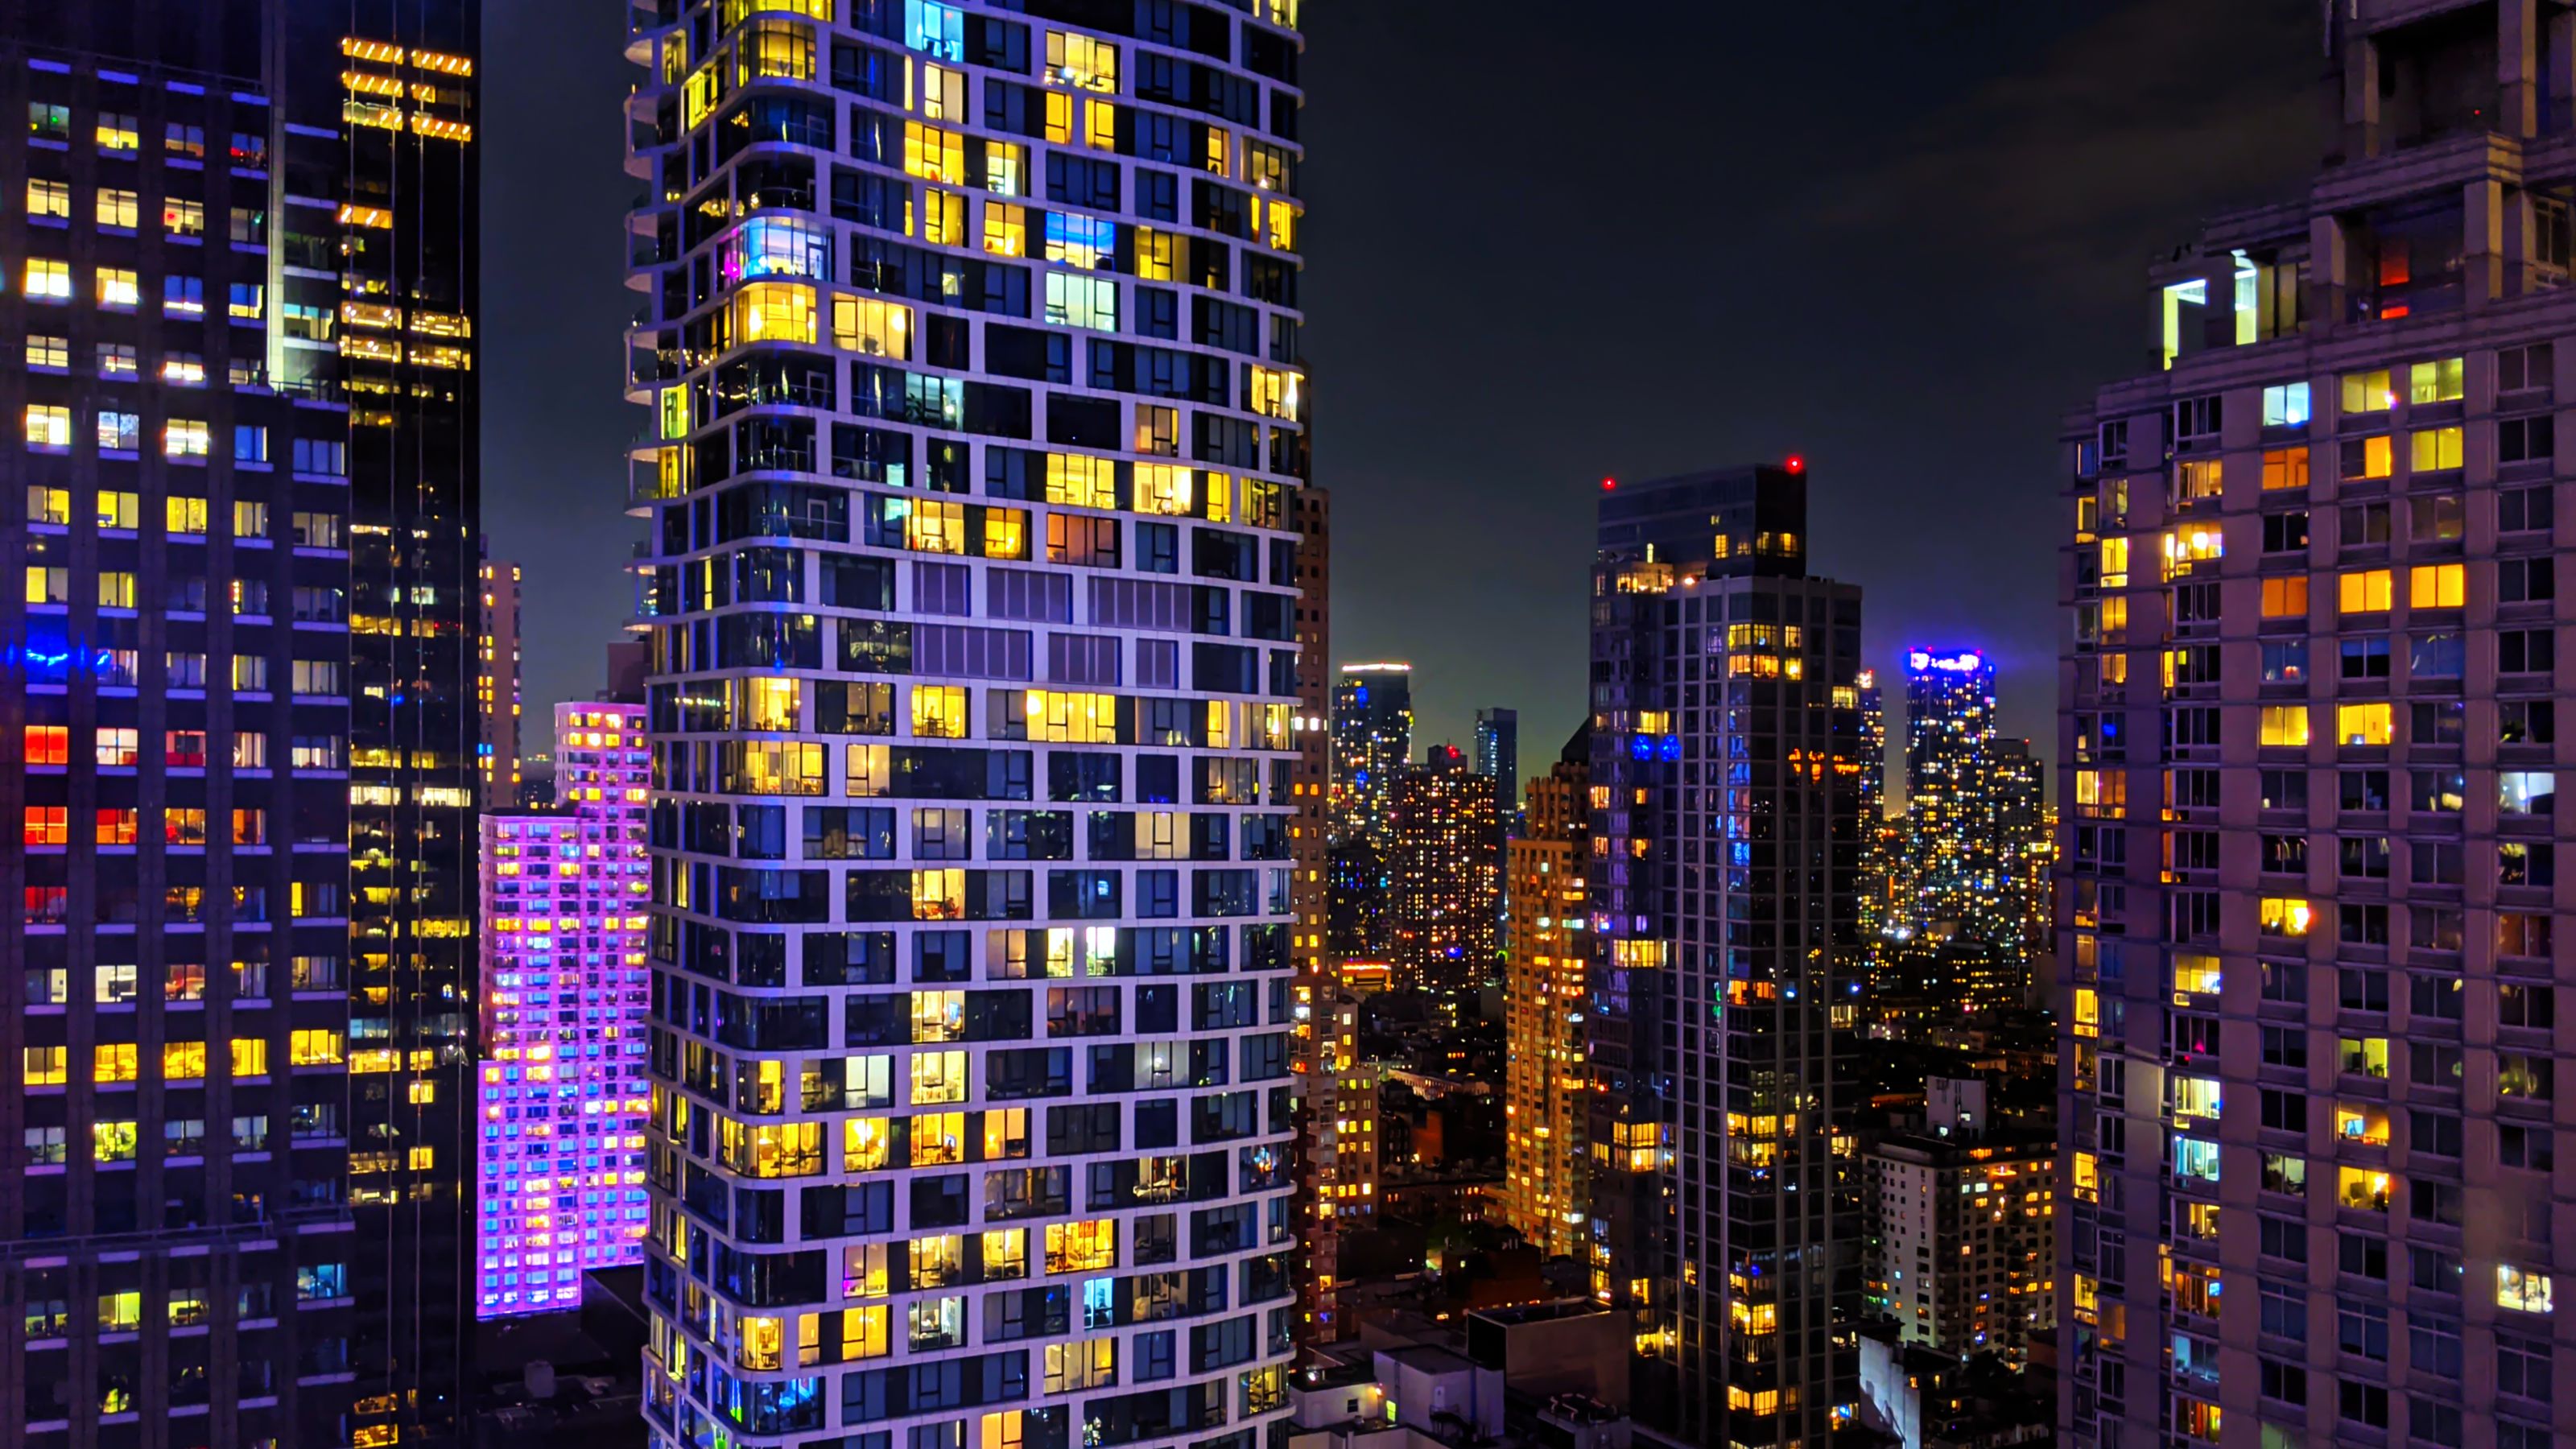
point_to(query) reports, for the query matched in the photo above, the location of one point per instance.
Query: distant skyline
(1904, 262)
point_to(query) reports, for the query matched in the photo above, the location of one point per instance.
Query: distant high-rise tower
(559, 1180)
(497, 689)
(1446, 870)
(1498, 754)
(238, 719)
(1546, 979)
(1972, 822)
(971, 337)
(1372, 744)
(1724, 922)
(2315, 589)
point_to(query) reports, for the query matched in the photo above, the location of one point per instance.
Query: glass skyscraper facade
(972, 346)
(1726, 864)
(239, 718)
(2311, 1063)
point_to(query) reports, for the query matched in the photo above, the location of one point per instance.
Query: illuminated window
(2285, 598)
(1080, 481)
(1156, 255)
(2367, 392)
(117, 287)
(49, 426)
(48, 281)
(939, 711)
(943, 217)
(2432, 449)
(938, 1077)
(866, 1145)
(112, 1141)
(933, 525)
(1057, 717)
(1082, 62)
(2364, 724)
(2437, 586)
(934, 154)
(1077, 301)
(1275, 394)
(46, 1066)
(2285, 468)
(771, 704)
(1006, 532)
(2195, 974)
(249, 1057)
(774, 312)
(2522, 1289)
(315, 1048)
(183, 218)
(114, 1062)
(1100, 126)
(2283, 916)
(49, 198)
(1088, 1246)
(2285, 405)
(118, 134)
(879, 329)
(2368, 458)
(1164, 488)
(2364, 591)
(1006, 229)
(2436, 382)
(774, 50)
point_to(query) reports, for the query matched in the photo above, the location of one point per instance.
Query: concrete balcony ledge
(2436, 167)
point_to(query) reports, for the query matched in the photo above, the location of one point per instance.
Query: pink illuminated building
(560, 1179)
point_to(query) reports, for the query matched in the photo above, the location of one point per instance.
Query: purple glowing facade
(560, 1182)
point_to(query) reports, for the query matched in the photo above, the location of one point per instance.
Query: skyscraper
(1726, 741)
(1446, 874)
(1954, 839)
(1498, 755)
(239, 689)
(2309, 753)
(497, 686)
(972, 696)
(559, 1185)
(1546, 984)
(1372, 744)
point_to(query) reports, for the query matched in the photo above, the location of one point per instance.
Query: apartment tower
(1726, 862)
(971, 339)
(1546, 981)
(2309, 749)
(559, 1179)
(237, 714)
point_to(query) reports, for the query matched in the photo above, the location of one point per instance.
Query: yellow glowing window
(1081, 481)
(1157, 254)
(1165, 488)
(2283, 916)
(1058, 717)
(49, 198)
(2437, 586)
(2522, 1289)
(2365, 724)
(880, 329)
(113, 1062)
(2434, 448)
(2088, 1177)
(866, 1145)
(2284, 724)
(2115, 563)
(250, 1057)
(49, 280)
(864, 1333)
(2437, 382)
(1275, 394)
(938, 1139)
(118, 288)
(939, 711)
(1082, 62)
(316, 1048)
(2285, 598)
(1280, 223)
(2196, 974)
(2185, 547)
(1006, 229)
(775, 50)
(1006, 532)
(2364, 591)
(935, 526)
(1100, 125)
(781, 767)
(934, 154)
(1082, 1247)
(2367, 392)
(2366, 1189)
(183, 1061)
(771, 704)
(938, 1077)
(869, 771)
(2285, 468)
(2378, 457)
(943, 217)
(773, 312)
(117, 207)
(938, 895)
(1059, 118)
(46, 1066)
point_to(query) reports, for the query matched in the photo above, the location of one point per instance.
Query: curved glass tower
(971, 342)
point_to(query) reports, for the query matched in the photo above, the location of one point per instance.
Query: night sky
(1553, 242)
